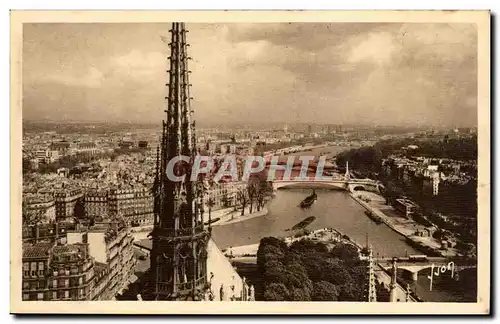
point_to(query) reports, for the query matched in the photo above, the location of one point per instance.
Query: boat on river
(306, 203)
(302, 224)
(373, 217)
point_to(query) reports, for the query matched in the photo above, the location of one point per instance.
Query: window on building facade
(33, 269)
(33, 285)
(66, 294)
(54, 295)
(26, 297)
(40, 296)
(54, 283)
(26, 269)
(66, 282)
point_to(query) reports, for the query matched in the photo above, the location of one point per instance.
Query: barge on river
(306, 203)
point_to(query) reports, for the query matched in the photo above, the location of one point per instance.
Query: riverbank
(230, 215)
(406, 227)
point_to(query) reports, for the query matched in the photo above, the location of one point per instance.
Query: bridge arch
(307, 185)
(326, 184)
(408, 274)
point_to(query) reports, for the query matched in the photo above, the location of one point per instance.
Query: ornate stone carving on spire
(179, 229)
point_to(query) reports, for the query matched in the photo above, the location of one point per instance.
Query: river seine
(333, 209)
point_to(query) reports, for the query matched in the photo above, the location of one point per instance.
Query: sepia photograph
(262, 162)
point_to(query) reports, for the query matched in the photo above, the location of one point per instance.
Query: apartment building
(65, 200)
(135, 205)
(111, 246)
(96, 204)
(57, 272)
(39, 208)
(224, 194)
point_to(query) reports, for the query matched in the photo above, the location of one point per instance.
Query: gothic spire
(178, 256)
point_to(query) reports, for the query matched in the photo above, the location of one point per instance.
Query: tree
(270, 245)
(336, 272)
(315, 265)
(242, 198)
(264, 190)
(345, 252)
(276, 292)
(273, 272)
(307, 271)
(325, 291)
(251, 193)
(299, 294)
(296, 276)
(352, 291)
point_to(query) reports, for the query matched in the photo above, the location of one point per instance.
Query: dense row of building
(134, 205)
(86, 263)
(431, 172)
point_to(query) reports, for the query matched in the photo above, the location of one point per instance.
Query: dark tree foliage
(345, 252)
(307, 270)
(296, 276)
(276, 292)
(315, 264)
(350, 291)
(299, 294)
(336, 271)
(270, 244)
(325, 291)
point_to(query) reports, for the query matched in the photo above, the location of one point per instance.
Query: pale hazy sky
(390, 74)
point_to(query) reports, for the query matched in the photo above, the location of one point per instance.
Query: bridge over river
(441, 265)
(310, 178)
(311, 182)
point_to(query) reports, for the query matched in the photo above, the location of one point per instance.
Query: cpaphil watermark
(241, 170)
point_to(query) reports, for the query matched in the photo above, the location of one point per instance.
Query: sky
(415, 74)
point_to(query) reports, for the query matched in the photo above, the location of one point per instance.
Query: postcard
(270, 162)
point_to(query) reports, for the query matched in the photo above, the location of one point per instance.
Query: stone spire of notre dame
(179, 238)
